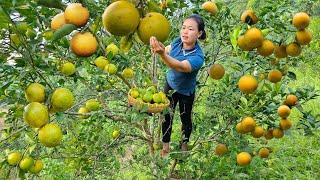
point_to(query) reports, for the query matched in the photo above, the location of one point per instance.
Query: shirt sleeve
(196, 62)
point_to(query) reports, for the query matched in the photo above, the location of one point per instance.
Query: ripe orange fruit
(243, 158)
(76, 14)
(26, 163)
(291, 100)
(301, 20)
(153, 24)
(62, 99)
(121, 18)
(268, 134)
(35, 92)
(274, 76)
(242, 43)
(257, 132)
(14, 158)
(277, 133)
(83, 44)
(293, 49)
(50, 135)
(284, 111)
(285, 124)
(36, 114)
(37, 167)
(248, 124)
(249, 17)
(210, 7)
(247, 84)
(216, 71)
(266, 48)
(303, 37)
(58, 21)
(239, 128)
(280, 51)
(221, 149)
(253, 37)
(264, 152)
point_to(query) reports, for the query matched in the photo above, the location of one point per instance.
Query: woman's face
(189, 32)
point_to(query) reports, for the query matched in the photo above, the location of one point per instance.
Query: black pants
(185, 106)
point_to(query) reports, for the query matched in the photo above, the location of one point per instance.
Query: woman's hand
(156, 46)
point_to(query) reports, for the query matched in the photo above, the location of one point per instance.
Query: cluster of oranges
(82, 44)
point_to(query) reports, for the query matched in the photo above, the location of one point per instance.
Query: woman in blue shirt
(184, 57)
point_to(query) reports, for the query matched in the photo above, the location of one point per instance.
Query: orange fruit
(221, 149)
(35, 92)
(127, 73)
(247, 84)
(101, 62)
(154, 24)
(58, 21)
(284, 111)
(14, 158)
(248, 124)
(50, 135)
(68, 68)
(121, 18)
(242, 43)
(301, 20)
(76, 14)
(115, 134)
(268, 134)
(249, 17)
(216, 71)
(280, 51)
(26, 163)
(257, 132)
(36, 114)
(62, 99)
(293, 49)
(291, 100)
(253, 37)
(264, 152)
(83, 44)
(303, 37)
(277, 133)
(37, 167)
(239, 128)
(210, 7)
(274, 76)
(285, 124)
(266, 48)
(243, 158)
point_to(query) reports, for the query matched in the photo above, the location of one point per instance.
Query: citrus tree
(81, 93)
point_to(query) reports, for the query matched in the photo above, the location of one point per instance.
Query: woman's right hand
(156, 46)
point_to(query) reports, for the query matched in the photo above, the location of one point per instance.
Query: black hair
(200, 22)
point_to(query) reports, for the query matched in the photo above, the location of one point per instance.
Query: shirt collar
(188, 51)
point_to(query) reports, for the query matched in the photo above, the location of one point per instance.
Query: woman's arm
(158, 47)
(182, 66)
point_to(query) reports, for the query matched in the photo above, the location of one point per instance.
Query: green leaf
(63, 31)
(4, 19)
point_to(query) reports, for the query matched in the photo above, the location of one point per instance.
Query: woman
(184, 57)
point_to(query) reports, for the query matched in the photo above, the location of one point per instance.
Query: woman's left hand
(156, 46)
